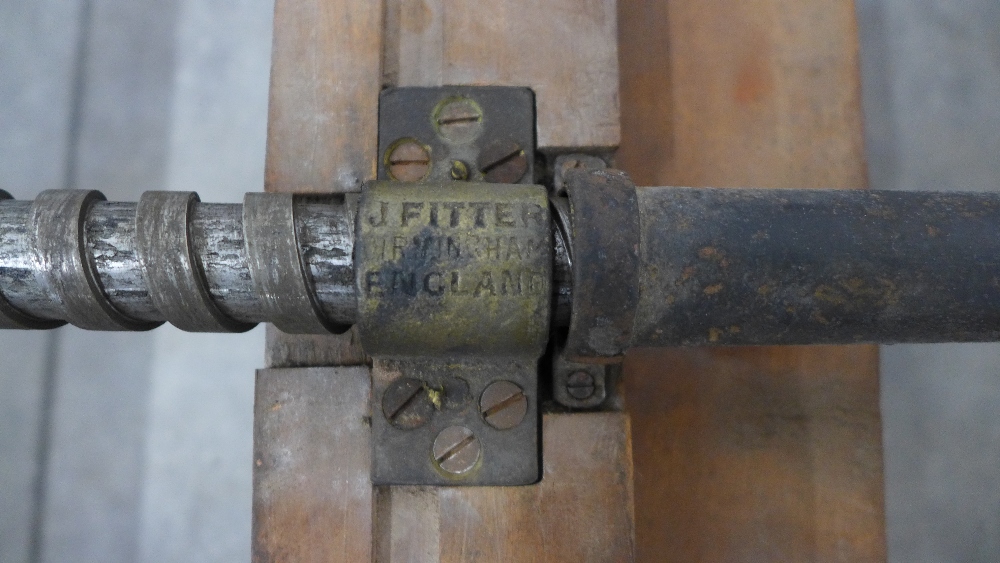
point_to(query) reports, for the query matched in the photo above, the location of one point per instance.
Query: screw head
(503, 405)
(408, 160)
(459, 171)
(458, 120)
(456, 450)
(503, 162)
(580, 385)
(406, 404)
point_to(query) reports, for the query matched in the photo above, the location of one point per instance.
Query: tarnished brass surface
(459, 270)
(454, 286)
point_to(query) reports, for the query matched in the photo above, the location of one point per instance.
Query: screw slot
(406, 404)
(581, 385)
(408, 160)
(503, 405)
(458, 119)
(456, 450)
(503, 162)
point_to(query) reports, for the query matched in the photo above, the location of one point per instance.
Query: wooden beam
(312, 490)
(312, 496)
(580, 511)
(565, 50)
(322, 133)
(750, 454)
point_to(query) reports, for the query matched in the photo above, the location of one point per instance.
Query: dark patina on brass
(454, 286)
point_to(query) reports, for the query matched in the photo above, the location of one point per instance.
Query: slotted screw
(503, 405)
(408, 161)
(459, 120)
(406, 404)
(456, 450)
(503, 162)
(580, 385)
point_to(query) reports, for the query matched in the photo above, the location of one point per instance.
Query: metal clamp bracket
(454, 287)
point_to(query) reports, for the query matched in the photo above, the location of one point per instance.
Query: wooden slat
(322, 133)
(312, 493)
(566, 50)
(750, 454)
(325, 80)
(581, 510)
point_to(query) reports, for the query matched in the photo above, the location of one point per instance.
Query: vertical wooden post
(312, 491)
(750, 454)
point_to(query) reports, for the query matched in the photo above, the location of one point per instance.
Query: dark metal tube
(746, 267)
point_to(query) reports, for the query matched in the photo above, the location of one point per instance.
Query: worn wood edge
(312, 491)
(565, 50)
(300, 350)
(581, 510)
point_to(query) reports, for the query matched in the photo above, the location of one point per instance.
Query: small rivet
(459, 171)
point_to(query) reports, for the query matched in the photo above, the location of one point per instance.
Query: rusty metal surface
(605, 256)
(10, 316)
(59, 244)
(277, 266)
(312, 465)
(176, 285)
(735, 267)
(474, 133)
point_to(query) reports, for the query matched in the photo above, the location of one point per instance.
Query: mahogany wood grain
(770, 454)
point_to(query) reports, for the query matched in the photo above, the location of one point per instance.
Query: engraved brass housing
(454, 286)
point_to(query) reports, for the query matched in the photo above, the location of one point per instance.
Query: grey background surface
(130, 447)
(931, 84)
(137, 447)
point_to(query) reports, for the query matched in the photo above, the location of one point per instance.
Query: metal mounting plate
(479, 126)
(407, 456)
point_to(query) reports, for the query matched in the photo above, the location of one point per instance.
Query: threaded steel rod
(323, 228)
